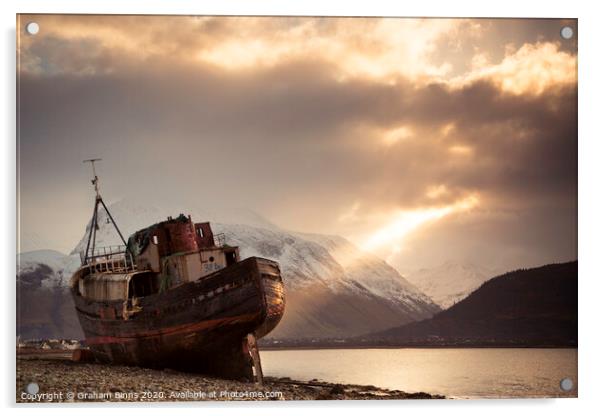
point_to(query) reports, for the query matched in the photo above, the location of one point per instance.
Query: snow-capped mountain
(450, 282)
(333, 289)
(370, 271)
(44, 305)
(58, 266)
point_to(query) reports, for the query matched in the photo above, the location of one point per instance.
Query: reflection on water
(453, 372)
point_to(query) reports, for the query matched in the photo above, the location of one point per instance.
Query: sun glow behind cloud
(392, 137)
(532, 69)
(376, 126)
(405, 222)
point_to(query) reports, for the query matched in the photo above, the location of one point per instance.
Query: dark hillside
(525, 307)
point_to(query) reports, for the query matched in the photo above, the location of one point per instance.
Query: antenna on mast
(95, 178)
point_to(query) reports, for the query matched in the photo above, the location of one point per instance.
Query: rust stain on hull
(183, 330)
(208, 325)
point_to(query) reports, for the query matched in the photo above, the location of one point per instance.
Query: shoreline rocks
(58, 379)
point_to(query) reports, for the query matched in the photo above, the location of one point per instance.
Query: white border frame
(590, 201)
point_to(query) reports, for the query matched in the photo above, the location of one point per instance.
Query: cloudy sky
(422, 140)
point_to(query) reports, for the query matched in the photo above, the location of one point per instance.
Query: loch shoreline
(58, 379)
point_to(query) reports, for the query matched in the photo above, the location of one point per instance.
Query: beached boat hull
(201, 326)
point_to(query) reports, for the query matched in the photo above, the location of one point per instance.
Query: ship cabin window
(230, 258)
(155, 240)
(211, 259)
(143, 284)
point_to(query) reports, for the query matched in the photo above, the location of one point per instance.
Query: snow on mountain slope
(302, 262)
(44, 305)
(332, 288)
(450, 282)
(370, 271)
(58, 267)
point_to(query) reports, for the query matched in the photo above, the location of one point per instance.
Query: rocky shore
(58, 379)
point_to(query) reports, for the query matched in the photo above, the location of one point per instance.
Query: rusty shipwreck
(175, 295)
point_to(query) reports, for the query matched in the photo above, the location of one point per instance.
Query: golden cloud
(381, 49)
(532, 69)
(376, 48)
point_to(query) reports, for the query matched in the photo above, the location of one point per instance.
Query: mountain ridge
(527, 307)
(451, 281)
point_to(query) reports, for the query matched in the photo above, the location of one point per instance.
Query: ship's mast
(95, 178)
(98, 201)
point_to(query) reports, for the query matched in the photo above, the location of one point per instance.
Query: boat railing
(219, 240)
(113, 259)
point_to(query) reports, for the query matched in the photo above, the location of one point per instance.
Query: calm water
(453, 372)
